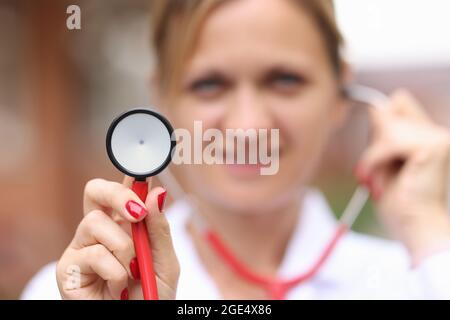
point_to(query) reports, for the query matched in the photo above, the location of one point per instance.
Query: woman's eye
(286, 81)
(207, 87)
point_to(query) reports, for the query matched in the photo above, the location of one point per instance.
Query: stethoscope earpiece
(365, 95)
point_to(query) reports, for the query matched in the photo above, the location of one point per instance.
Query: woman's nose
(248, 110)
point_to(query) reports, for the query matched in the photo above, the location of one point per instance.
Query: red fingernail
(376, 192)
(161, 200)
(134, 268)
(368, 182)
(361, 175)
(136, 210)
(124, 294)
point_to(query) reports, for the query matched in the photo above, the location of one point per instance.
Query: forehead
(263, 30)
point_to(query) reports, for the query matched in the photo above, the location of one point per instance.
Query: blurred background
(60, 88)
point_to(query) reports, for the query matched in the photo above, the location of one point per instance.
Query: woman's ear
(343, 104)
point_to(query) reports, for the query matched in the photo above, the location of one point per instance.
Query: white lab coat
(361, 267)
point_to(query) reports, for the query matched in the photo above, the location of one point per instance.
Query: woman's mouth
(244, 170)
(250, 169)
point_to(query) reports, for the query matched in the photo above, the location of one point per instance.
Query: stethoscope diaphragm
(140, 143)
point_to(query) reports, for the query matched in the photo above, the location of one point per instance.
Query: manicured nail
(376, 191)
(368, 182)
(161, 200)
(136, 210)
(124, 294)
(134, 268)
(361, 174)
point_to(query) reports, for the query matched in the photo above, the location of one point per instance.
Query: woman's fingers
(395, 127)
(102, 262)
(103, 251)
(166, 262)
(98, 227)
(403, 137)
(404, 104)
(104, 195)
(110, 230)
(380, 156)
(401, 106)
(406, 171)
(91, 262)
(128, 181)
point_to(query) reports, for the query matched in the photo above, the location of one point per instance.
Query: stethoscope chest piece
(140, 143)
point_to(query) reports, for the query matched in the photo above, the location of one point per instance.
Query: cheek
(185, 113)
(185, 110)
(306, 128)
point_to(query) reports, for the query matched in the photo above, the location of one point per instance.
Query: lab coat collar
(314, 229)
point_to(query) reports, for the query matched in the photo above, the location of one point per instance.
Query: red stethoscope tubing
(143, 249)
(276, 288)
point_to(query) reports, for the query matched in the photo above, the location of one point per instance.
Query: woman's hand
(100, 261)
(406, 170)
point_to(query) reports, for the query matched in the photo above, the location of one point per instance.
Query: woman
(263, 65)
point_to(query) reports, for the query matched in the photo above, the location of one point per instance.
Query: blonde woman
(253, 64)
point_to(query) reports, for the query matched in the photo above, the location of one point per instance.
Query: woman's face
(259, 65)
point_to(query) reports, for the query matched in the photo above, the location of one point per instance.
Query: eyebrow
(212, 72)
(302, 68)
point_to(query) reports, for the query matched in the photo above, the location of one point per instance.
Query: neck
(258, 240)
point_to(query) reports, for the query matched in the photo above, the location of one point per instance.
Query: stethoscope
(140, 143)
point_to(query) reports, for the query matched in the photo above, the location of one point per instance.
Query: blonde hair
(176, 24)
